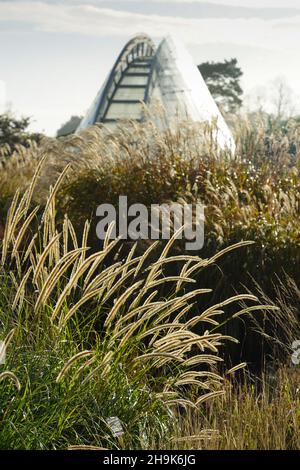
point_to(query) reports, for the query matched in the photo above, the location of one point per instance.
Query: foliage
(89, 339)
(14, 132)
(118, 332)
(69, 127)
(223, 81)
(253, 196)
(255, 414)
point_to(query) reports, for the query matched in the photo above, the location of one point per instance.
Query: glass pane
(124, 111)
(129, 94)
(128, 80)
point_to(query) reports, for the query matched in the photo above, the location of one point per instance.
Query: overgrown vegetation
(143, 331)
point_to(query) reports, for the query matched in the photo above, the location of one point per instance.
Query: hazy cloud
(97, 21)
(239, 3)
(184, 8)
(55, 54)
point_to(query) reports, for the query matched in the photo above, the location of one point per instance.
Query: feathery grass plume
(72, 232)
(9, 227)
(55, 275)
(21, 291)
(33, 182)
(17, 210)
(151, 345)
(64, 318)
(86, 447)
(128, 259)
(43, 256)
(154, 268)
(155, 355)
(255, 308)
(214, 309)
(104, 278)
(49, 225)
(23, 230)
(145, 255)
(124, 319)
(93, 270)
(54, 190)
(10, 375)
(182, 314)
(178, 302)
(103, 368)
(113, 286)
(237, 367)
(9, 337)
(85, 235)
(71, 362)
(65, 232)
(108, 235)
(4, 344)
(181, 402)
(72, 282)
(30, 248)
(205, 435)
(154, 309)
(202, 359)
(194, 374)
(209, 396)
(85, 365)
(122, 299)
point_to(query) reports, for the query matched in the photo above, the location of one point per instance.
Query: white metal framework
(125, 89)
(167, 74)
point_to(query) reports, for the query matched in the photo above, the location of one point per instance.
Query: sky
(55, 54)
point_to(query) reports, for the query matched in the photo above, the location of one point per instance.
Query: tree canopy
(69, 127)
(14, 131)
(223, 81)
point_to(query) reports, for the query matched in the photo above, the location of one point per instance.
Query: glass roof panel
(124, 111)
(129, 94)
(134, 80)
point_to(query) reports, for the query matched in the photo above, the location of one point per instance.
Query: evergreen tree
(223, 81)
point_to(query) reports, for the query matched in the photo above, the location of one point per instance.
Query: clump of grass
(254, 195)
(95, 340)
(253, 415)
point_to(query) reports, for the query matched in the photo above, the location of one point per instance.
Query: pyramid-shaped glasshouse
(167, 74)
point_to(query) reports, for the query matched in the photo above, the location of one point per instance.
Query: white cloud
(103, 22)
(242, 3)
(237, 3)
(274, 42)
(232, 3)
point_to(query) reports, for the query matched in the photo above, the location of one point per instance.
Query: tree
(275, 98)
(283, 98)
(15, 132)
(69, 127)
(223, 81)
